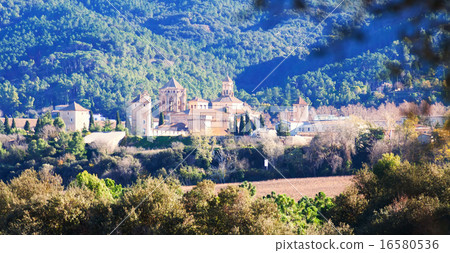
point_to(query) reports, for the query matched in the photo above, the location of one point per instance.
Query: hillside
(53, 52)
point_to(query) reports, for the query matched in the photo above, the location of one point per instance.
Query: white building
(139, 115)
(75, 116)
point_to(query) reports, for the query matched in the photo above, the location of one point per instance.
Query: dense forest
(101, 55)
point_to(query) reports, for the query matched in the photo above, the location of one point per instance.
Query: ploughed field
(331, 186)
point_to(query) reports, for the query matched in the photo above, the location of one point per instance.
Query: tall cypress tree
(241, 125)
(252, 126)
(2, 128)
(38, 126)
(7, 126)
(247, 124)
(236, 129)
(91, 120)
(161, 118)
(261, 121)
(27, 126)
(13, 124)
(118, 122)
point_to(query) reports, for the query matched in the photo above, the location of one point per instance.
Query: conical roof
(172, 83)
(301, 101)
(227, 80)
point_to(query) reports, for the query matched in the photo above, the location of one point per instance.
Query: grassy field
(297, 187)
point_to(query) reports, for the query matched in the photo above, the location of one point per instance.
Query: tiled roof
(227, 79)
(206, 111)
(74, 107)
(173, 127)
(172, 83)
(197, 99)
(140, 96)
(227, 99)
(301, 101)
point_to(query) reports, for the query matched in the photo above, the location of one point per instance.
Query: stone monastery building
(197, 116)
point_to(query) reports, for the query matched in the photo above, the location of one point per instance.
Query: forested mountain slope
(55, 51)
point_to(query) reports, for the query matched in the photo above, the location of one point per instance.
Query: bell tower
(301, 111)
(227, 87)
(172, 97)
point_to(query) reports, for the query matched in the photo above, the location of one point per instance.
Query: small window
(143, 121)
(70, 119)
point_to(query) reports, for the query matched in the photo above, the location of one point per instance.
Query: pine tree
(76, 145)
(59, 123)
(7, 126)
(27, 126)
(161, 118)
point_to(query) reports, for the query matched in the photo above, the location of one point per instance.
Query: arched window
(171, 105)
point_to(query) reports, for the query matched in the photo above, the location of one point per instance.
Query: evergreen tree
(76, 145)
(236, 129)
(261, 121)
(38, 126)
(283, 129)
(247, 124)
(118, 118)
(161, 119)
(27, 126)
(91, 120)
(241, 125)
(108, 126)
(44, 120)
(2, 128)
(59, 123)
(119, 126)
(7, 126)
(13, 124)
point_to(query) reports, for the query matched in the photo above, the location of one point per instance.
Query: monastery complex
(197, 116)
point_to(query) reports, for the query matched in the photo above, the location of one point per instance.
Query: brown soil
(297, 187)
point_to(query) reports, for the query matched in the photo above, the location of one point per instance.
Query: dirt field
(331, 186)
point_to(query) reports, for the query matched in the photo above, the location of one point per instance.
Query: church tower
(227, 87)
(172, 97)
(301, 110)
